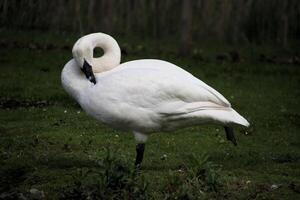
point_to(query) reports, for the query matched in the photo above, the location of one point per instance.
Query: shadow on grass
(13, 176)
(63, 162)
(161, 167)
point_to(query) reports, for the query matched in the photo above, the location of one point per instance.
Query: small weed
(116, 179)
(201, 179)
(204, 170)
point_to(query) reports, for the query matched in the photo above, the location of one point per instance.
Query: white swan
(142, 96)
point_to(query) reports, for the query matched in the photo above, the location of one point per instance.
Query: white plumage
(143, 96)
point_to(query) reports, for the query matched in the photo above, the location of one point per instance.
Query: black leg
(139, 154)
(230, 134)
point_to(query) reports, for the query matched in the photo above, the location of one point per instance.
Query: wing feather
(158, 85)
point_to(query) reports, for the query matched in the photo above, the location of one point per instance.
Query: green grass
(43, 147)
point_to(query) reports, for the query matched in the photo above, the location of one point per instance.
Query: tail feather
(238, 119)
(198, 112)
(225, 117)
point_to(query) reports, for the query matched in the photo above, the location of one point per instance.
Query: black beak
(88, 71)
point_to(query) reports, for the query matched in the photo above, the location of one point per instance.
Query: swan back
(83, 49)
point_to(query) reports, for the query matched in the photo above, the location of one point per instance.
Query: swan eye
(88, 71)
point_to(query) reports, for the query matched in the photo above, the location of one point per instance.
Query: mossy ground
(43, 145)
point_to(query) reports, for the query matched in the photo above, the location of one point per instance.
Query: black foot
(139, 154)
(230, 134)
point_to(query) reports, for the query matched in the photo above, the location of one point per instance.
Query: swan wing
(156, 85)
(150, 95)
(160, 81)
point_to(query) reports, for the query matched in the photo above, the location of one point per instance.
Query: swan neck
(73, 79)
(83, 49)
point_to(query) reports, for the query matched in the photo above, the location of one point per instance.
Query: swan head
(83, 54)
(83, 58)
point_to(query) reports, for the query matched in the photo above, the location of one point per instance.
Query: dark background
(190, 23)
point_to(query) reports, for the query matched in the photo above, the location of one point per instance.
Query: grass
(46, 139)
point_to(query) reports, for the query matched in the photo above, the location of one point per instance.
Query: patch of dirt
(7, 103)
(260, 189)
(280, 60)
(294, 118)
(295, 187)
(285, 158)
